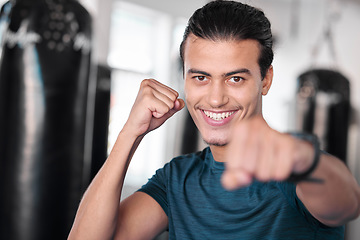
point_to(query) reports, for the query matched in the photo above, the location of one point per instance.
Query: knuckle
(280, 175)
(147, 92)
(171, 105)
(146, 82)
(175, 95)
(164, 108)
(147, 97)
(263, 175)
(262, 178)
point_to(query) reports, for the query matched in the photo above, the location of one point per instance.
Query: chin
(216, 142)
(218, 137)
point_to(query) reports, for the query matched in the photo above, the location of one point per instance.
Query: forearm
(97, 214)
(335, 200)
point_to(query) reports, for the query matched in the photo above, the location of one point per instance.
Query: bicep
(140, 217)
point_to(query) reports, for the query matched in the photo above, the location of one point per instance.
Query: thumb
(179, 104)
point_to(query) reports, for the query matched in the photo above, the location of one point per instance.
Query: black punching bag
(323, 108)
(44, 78)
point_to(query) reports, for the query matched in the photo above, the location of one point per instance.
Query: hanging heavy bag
(44, 78)
(323, 108)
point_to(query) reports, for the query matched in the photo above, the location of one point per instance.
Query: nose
(217, 94)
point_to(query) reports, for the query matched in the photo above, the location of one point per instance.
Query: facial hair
(216, 143)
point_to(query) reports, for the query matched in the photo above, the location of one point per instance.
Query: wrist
(304, 173)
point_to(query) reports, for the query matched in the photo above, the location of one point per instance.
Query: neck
(218, 152)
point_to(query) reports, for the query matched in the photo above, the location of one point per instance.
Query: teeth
(218, 116)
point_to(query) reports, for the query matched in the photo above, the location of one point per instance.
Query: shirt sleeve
(289, 190)
(156, 187)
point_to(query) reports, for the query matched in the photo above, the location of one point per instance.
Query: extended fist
(257, 151)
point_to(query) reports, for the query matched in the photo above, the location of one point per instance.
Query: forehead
(229, 54)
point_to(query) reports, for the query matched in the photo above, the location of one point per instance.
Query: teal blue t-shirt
(189, 190)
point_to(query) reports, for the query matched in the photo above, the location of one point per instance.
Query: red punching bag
(44, 78)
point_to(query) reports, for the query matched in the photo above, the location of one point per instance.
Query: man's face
(223, 85)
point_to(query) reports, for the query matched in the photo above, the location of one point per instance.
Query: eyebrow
(241, 70)
(195, 71)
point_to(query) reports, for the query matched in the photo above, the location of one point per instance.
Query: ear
(267, 81)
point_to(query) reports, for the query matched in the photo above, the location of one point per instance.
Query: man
(239, 187)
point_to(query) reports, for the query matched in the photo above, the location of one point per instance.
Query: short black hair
(230, 20)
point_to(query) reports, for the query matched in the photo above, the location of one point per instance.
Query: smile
(218, 116)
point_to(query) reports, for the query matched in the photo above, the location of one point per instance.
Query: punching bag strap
(326, 36)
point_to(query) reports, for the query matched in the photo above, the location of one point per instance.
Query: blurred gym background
(70, 71)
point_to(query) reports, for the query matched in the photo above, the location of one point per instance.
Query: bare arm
(132, 209)
(100, 213)
(257, 151)
(97, 214)
(336, 200)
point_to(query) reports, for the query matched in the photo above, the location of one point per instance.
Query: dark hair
(230, 20)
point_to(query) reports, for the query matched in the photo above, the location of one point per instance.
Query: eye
(235, 79)
(200, 78)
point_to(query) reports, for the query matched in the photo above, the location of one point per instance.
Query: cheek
(190, 101)
(189, 94)
(246, 96)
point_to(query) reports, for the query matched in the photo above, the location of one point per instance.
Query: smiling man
(252, 182)
(223, 85)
